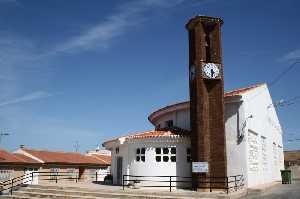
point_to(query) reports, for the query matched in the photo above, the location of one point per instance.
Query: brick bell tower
(206, 98)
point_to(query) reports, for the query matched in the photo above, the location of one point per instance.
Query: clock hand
(212, 72)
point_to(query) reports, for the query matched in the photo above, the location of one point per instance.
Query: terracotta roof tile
(11, 158)
(292, 155)
(62, 157)
(104, 159)
(240, 91)
(26, 159)
(154, 134)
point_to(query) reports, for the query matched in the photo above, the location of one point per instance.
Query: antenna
(76, 146)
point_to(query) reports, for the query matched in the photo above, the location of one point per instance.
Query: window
(117, 150)
(165, 154)
(166, 158)
(165, 150)
(169, 123)
(188, 155)
(158, 150)
(157, 127)
(140, 154)
(158, 158)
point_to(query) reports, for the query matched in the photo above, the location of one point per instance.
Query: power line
(278, 77)
(282, 102)
(284, 72)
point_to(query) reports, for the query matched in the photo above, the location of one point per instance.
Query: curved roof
(185, 105)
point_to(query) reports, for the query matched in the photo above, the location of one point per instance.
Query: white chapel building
(253, 141)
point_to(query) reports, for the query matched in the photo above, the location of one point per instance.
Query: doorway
(119, 170)
(80, 173)
(29, 177)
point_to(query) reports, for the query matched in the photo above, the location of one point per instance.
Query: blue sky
(90, 70)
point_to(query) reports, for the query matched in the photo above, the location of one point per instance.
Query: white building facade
(253, 141)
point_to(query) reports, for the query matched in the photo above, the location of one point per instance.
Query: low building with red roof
(83, 167)
(253, 141)
(13, 165)
(292, 162)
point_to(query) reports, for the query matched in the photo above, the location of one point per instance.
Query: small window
(158, 158)
(165, 158)
(173, 150)
(117, 150)
(173, 158)
(169, 123)
(165, 154)
(158, 150)
(166, 150)
(140, 155)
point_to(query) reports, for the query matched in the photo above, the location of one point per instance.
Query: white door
(28, 176)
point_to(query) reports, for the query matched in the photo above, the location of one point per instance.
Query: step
(30, 197)
(55, 196)
(119, 192)
(90, 195)
(102, 192)
(17, 197)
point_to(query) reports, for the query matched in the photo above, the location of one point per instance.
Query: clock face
(211, 70)
(192, 72)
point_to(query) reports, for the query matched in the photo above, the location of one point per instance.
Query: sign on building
(199, 167)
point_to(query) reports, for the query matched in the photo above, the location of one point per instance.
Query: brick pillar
(207, 96)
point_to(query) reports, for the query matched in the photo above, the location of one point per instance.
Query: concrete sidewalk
(161, 192)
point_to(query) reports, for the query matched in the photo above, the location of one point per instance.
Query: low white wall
(150, 167)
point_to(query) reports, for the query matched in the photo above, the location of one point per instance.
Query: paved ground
(281, 191)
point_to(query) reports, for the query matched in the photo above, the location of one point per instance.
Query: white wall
(181, 118)
(264, 124)
(235, 146)
(150, 167)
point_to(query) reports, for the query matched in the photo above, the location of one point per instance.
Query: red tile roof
(10, 158)
(154, 134)
(105, 159)
(26, 159)
(291, 156)
(63, 157)
(240, 91)
(181, 105)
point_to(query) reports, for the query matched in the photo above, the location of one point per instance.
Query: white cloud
(291, 56)
(25, 98)
(126, 16)
(8, 1)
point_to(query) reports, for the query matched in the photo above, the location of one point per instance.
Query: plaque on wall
(199, 167)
